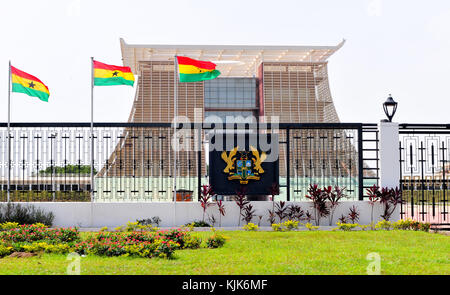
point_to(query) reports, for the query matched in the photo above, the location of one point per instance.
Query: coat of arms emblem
(244, 165)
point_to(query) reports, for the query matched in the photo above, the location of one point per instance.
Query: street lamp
(390, 106)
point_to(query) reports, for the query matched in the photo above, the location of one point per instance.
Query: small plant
(295, 212)
(212, 219)
(206, 194)
(103, 229)
(248, 213)
(290, 224)
(281, 210)
(192, 242)
(155, 220)
(308, 216)
(342, 219)
(374, 196)
(403, 224)
(353, 215)
(333, 196)
(250, 227)
(277, 227)
(216, 240)
(364, 227)
(346, 226)
(318, 197)
(198, 223)
(390, 198)
(25, 214)
(241, 201)
(384, 225)
(309, 226)
(271, 217)
(259, 219)
(221, 207)
(8, 225)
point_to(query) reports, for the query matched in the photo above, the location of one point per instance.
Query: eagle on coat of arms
(243, 165)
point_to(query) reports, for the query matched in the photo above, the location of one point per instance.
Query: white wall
(84, 214)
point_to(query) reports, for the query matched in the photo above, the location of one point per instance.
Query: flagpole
(175, 109)
(92, 129)
(8, 131)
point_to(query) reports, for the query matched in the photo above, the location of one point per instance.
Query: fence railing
(133, 162)
(425, 171)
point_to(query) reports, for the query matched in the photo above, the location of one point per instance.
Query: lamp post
(390, 107)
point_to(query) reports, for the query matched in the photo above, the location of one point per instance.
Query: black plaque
(243, 160)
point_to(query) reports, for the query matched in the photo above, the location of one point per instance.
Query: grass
(321, 252)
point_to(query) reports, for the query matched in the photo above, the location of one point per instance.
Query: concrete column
(389, 155)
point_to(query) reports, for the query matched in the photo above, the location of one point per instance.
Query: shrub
(353, 214)
(155, 220)
(241, 201)
(32, 233)
(346, 226)
(290, 224)
(24, 214)
(248, 213)
(281, 210)
(403, 224)
(384, 225)
(309, 226)
(5, 250)
(250, 227)
(8, 225)
(318, 198)
(60, 248)
(192, 242)
(215, 241)
(198, 223)
(277, 227)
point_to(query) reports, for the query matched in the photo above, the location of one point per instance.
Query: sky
(392, 47)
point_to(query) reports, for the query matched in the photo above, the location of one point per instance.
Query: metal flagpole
(175, 109)
(8, 132)
(92, 129)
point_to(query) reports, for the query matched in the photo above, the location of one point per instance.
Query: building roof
(231, 60)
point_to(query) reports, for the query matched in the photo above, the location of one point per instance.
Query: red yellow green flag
(192, 70)
(106, 75)
(25, 83)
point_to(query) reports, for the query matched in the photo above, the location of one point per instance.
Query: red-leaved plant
(222, 212)
(280, 210)
(374, 196)
(206, 194)
(241, 201)
(353, 215)
(319, 198)
(333, 197)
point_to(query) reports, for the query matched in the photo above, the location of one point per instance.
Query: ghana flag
(28, 84)
(106, 75)
(192, 70)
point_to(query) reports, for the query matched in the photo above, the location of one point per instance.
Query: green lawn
(321, 252)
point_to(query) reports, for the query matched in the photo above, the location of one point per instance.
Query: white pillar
(389, 155)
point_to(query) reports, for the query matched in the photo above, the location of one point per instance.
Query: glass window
(230, 93)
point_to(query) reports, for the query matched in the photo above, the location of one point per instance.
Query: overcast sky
(397, 47)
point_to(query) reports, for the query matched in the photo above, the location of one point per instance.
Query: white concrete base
(82, 214)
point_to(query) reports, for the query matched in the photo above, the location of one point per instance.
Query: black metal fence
(135, 162)
(424, 172)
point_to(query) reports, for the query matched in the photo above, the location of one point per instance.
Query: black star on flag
(31, 84)
(115, 74)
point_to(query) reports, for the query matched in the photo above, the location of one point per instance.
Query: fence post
(389, 155)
